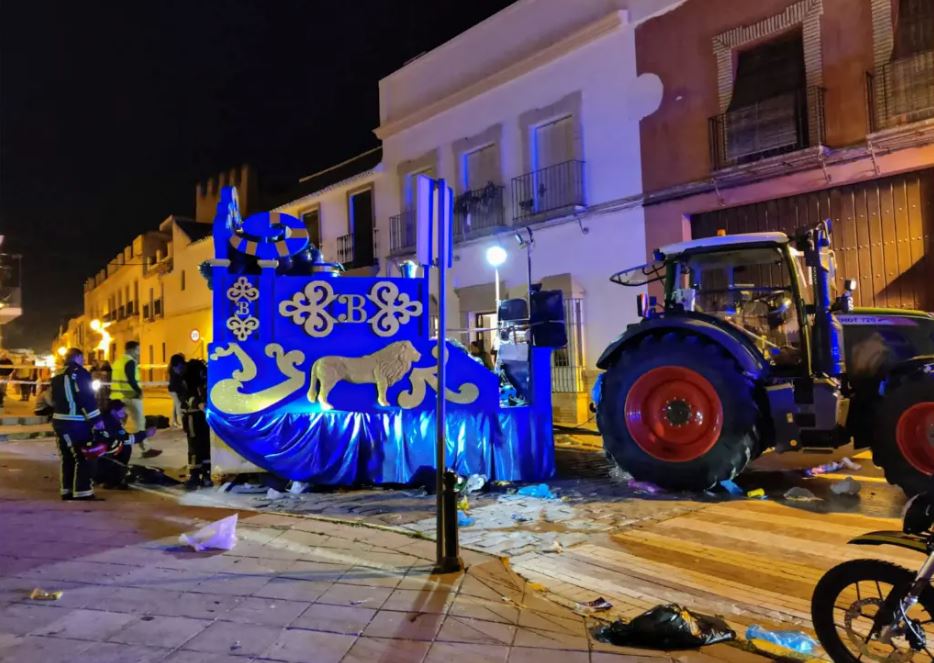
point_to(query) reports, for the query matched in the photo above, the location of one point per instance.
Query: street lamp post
(496, 256)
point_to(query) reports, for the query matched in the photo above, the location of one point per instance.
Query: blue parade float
(331, 379)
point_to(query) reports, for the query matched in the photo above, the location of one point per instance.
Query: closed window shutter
(768, 99)
(480, 168)
(554, 143)
(914, 28)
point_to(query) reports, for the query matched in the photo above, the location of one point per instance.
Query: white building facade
(533, 117)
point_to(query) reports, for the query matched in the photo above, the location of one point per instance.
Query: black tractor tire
(738, 440)
(902, 391)
(829, 587)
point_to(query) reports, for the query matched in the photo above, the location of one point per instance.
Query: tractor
(752, 349)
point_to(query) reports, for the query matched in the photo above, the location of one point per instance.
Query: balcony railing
(349, 257)
(901, 92)
(478, 212)
(345, 249)
(402, 233)
(548, 192)
(777, 125)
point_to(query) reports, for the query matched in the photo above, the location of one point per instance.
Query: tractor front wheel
(903, 443)
(677, 411)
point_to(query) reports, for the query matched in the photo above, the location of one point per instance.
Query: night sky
(111, 111)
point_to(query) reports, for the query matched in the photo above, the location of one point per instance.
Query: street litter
(732, 488)
(834, 466)
(298, 487)
(644, 487)
(798, 494)
(463, 504)
(796, 641)
(555, 547)
(848, 486)
(273, 494)
(537, 490)
(475, 482)
(43, 595)
(463, 520)
(757, 494)
(219, 535)
(597, 605)
(520, 518)
(666, 627)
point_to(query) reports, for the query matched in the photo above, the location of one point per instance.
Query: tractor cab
(760, 284)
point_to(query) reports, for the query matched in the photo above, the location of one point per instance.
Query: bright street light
(496, 255)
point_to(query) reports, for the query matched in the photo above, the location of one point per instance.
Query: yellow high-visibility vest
(119, 385)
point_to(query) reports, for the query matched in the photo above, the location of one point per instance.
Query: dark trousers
(77, 470)
(112, 469)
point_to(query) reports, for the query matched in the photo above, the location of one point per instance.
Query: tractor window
(749, 288)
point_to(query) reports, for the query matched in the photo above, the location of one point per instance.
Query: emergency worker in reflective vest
(74, 419)
(125, 386)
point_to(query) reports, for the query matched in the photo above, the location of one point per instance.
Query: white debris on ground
(514, 525)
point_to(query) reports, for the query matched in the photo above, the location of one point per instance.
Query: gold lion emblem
(384, 368)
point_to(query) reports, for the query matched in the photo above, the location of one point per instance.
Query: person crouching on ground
(113, 467)
(196, 426)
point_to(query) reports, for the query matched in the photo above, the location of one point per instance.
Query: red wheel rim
(914, 434)
(674, 414)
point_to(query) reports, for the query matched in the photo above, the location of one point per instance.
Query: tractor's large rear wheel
(903, 441)
(677, 411)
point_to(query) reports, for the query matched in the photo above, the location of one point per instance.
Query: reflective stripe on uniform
(69, 396)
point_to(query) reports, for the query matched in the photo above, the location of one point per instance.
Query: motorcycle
(871, 610)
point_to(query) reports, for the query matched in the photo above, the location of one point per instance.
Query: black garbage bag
(666, 627)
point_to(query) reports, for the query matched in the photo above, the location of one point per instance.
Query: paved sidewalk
(293, 589)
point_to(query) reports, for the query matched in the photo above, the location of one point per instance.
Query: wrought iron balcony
(351, 256)
(777, 125)
(901, 92)
(478, 212)
(345, 249)
(548, 192)
(402, 233)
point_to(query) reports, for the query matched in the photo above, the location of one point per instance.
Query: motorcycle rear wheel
(846, 601)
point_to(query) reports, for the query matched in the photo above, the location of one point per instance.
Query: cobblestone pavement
(293, 589)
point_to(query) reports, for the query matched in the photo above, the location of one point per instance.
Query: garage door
(882, 234)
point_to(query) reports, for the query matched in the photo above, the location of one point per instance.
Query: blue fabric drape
(344, 448)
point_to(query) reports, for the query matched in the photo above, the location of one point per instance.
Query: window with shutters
(914, 28)
(767, 114)
(556, 183)
(478, 207)
(410, 187)
(905, 92)
(771, 106)
(553, 143)
(480, 167)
